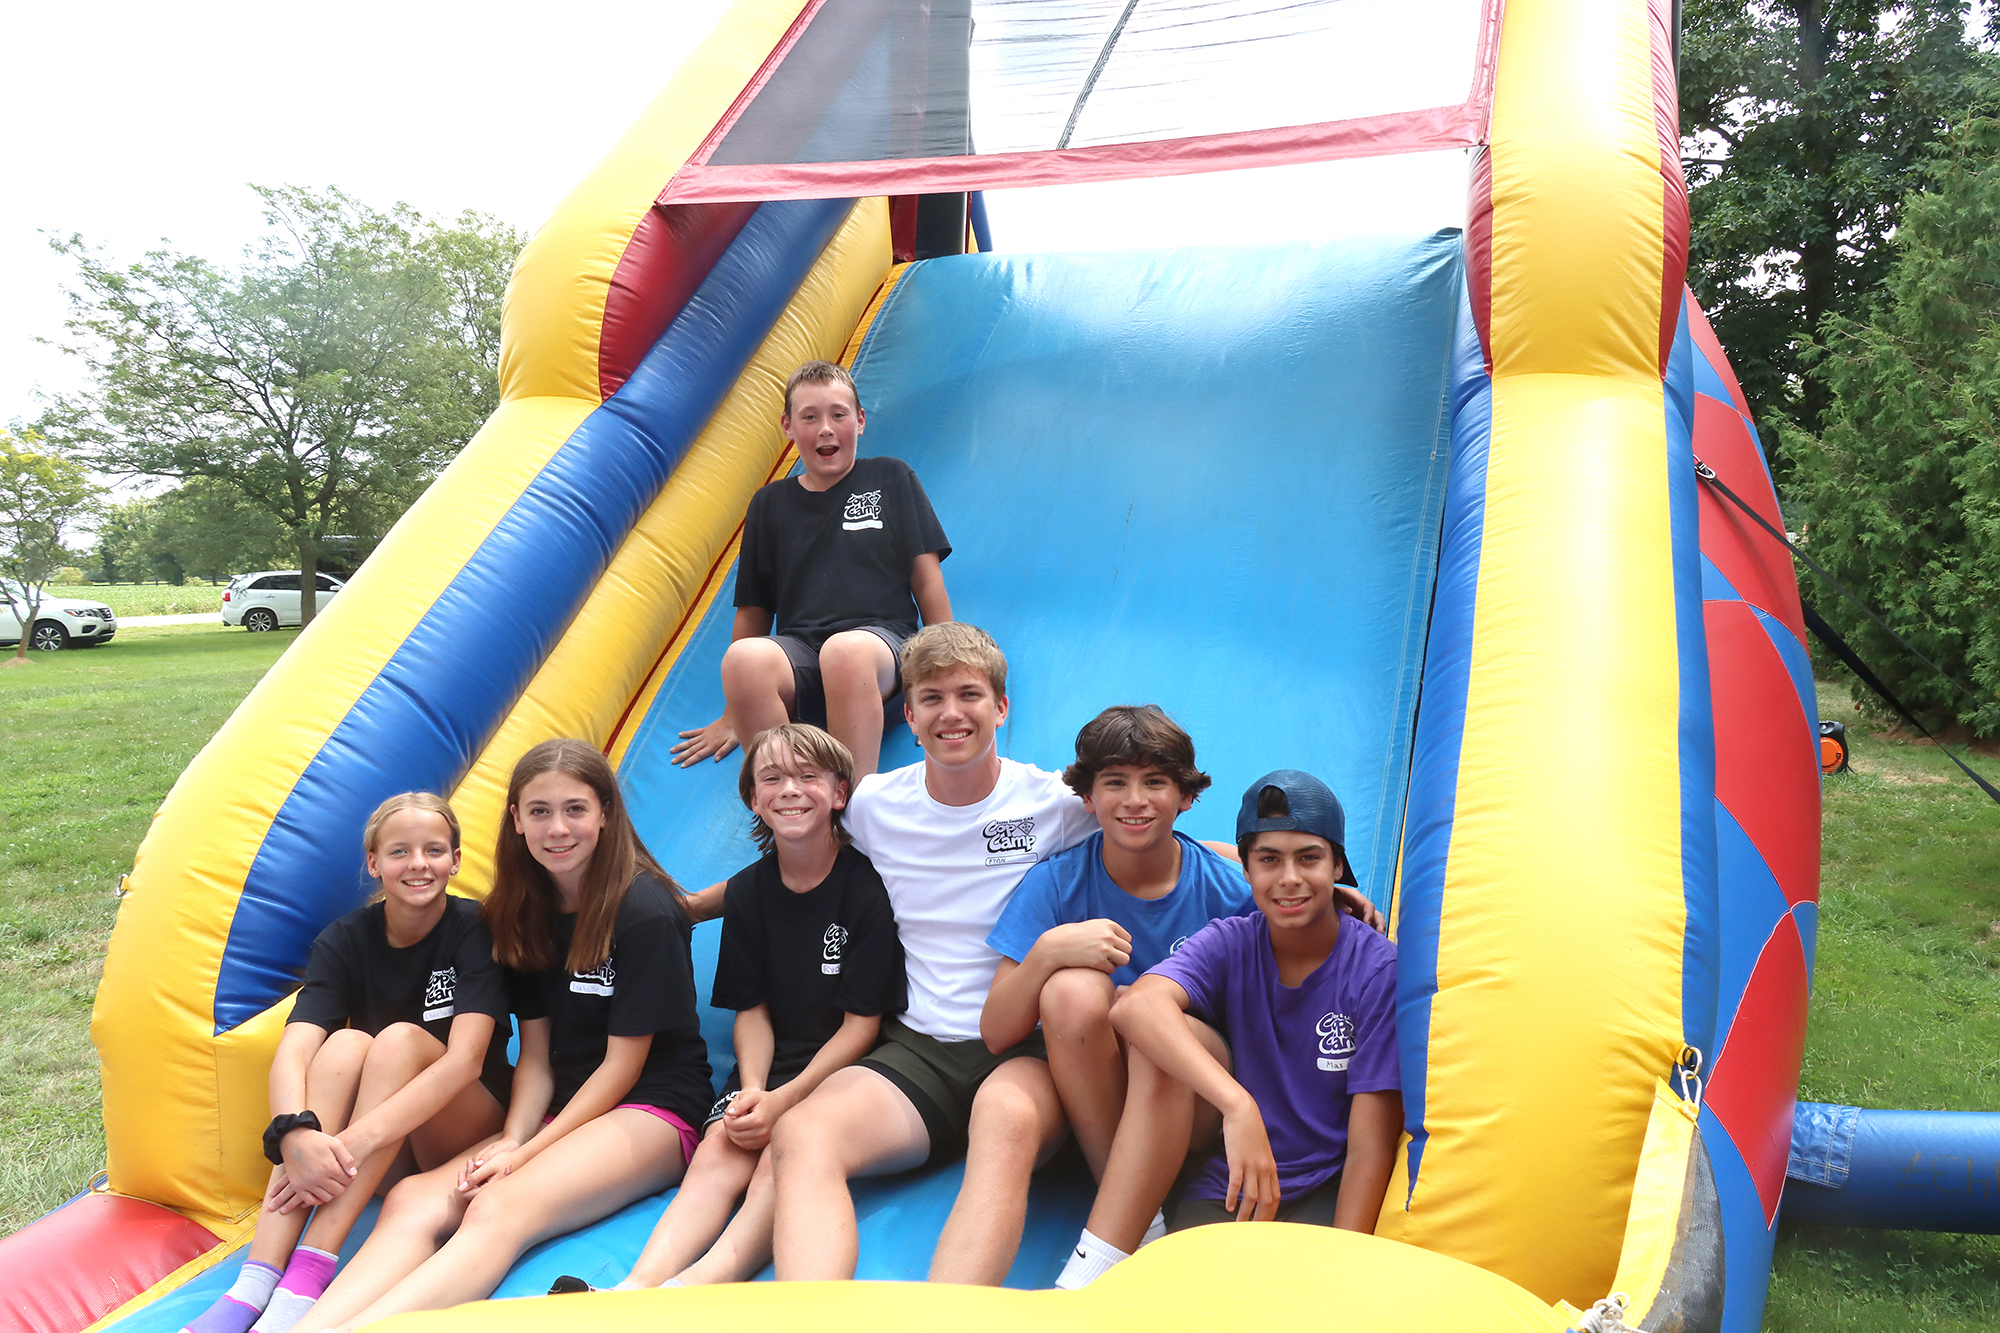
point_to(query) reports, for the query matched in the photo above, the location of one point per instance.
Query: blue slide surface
(1161, 485)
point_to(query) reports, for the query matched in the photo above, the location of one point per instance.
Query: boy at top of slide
(951, 837)
(1085, 923)
(1309, 1090)
(843, 559)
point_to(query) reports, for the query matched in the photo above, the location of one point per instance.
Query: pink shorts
(690, 1140)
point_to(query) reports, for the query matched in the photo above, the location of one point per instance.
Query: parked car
(60, 622)
(270, 598)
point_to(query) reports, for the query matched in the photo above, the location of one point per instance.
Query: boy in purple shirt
(1308, 1089)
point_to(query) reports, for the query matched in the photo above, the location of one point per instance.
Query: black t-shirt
(645, 988)
(355, 979)
(813, 956)
(825, 561)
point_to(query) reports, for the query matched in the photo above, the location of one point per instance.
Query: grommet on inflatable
(1456, 467)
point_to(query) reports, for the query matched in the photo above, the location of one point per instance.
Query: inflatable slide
(1420, 514)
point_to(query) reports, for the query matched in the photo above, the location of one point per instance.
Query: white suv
(270, 598)
(60, 622)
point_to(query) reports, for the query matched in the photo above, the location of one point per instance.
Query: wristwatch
(281, 1125)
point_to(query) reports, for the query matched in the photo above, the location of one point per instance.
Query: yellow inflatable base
(1211, 1278)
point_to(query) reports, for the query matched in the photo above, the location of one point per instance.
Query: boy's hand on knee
(718, 738)
(750, 1118)
(1253, 1171)
(1101, 944)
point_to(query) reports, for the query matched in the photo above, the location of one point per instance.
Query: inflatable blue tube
(1899, 1170)
(452, 681)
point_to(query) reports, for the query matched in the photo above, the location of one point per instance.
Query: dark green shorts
(1314, 1208)
(940, 1078)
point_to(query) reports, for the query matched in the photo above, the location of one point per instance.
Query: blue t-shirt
(1302, 1051)
(1072, 886)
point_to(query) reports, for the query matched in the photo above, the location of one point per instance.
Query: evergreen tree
(1804, 123)
(1902, 487)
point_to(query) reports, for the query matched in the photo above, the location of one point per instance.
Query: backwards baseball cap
(1314, 810)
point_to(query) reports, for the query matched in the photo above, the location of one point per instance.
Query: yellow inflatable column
(1559, 940)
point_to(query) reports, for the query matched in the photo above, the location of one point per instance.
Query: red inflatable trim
(1756, 564)
(1674, 202)
(670, 253)
(1766, 756)
(1703, 334)
(1427, 130)
(1756, 1077)
(89, 1257)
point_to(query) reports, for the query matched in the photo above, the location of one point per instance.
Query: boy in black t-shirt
(843, 559)
(811, 962)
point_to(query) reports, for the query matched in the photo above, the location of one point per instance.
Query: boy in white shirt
(950, 837)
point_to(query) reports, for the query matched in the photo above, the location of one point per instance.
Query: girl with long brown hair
(613, 1073)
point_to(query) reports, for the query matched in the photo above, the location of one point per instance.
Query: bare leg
(595, 1170)
(418, 1215)
(1085, 1059)
(1017, 1124)
(715, 1180)
(857, 1123)
(757, 687)
(858, 672)
(399, 1053)
(745, 1245)
(332, 1081)
(1163, 1119)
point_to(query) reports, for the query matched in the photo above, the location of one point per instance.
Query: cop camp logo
(1009, 840)
(598, 981)
(864, 510)
(1336, 1043)
(831, 944)
(440, 993)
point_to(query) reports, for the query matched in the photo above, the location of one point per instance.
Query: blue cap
(1314, 809)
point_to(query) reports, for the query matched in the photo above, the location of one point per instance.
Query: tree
(41, 494)
(1804, 123)
(326, 380)
(1903, 485)
(202, 527)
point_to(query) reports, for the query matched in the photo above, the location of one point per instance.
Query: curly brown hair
(1138, 734)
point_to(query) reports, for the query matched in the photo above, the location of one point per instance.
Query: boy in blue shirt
(1084, 924)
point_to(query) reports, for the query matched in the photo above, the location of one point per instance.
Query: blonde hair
(521, 910)
(935, 650)
(371, 832)
(816, 747)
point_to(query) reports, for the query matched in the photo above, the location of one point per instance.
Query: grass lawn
(94, 738)
(147, 599)
(1906, 1002)
(1905, 1013)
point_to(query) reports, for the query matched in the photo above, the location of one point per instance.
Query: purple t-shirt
(1302, 1051)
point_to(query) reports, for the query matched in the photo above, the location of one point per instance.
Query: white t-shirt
(950, 869)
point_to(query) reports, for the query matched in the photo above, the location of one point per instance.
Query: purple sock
(305, 1281)
(241, 1304)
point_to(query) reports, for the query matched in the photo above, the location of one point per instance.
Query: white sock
(1088, 1262)
(305, 1281)
(1155, 1231)
(672, 1282)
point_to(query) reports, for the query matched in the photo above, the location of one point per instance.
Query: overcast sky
(138, 125)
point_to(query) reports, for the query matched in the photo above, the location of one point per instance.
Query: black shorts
(1314, 1208)
(940, 1078)
(809, 691)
